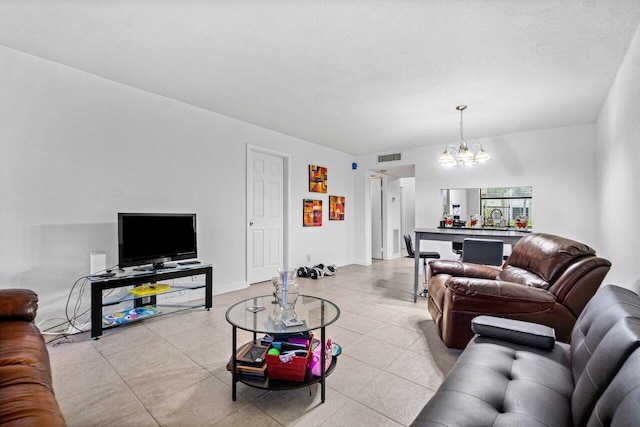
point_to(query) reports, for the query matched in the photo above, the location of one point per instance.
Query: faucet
(498, 210)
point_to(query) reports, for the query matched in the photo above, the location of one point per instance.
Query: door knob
(250, 223)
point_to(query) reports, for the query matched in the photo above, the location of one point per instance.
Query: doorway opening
(397, 200)
(377, 217)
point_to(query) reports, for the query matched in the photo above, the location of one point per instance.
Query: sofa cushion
(546, 255)
(489, 380)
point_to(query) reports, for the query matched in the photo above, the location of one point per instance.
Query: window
(500, 206)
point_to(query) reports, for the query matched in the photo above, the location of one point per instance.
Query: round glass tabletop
(313, 313)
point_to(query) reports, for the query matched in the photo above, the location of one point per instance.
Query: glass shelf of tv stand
(142, 273)
(121, 295)
(135, 314)
(124, 295)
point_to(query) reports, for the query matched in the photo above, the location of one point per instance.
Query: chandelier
(463, 155)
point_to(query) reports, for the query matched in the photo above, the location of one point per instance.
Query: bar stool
(424, 256)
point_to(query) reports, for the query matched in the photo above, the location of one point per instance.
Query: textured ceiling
(358, 76)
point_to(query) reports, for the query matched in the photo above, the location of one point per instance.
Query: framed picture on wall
(317, 179)
(336, 208)
(312, 213)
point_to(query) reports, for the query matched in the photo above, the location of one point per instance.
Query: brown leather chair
(547, 279)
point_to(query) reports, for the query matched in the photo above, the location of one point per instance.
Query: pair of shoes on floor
(317, 271)
(325, 270)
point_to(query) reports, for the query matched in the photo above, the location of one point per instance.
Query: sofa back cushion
(603, 365)
(618, 406)
(522, 276)
(605, 334)
(545, 255)
(609, 305)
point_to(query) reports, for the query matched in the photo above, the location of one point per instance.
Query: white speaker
(98, 262)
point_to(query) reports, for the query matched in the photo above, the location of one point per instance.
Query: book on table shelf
(250, 360)
(241, 368)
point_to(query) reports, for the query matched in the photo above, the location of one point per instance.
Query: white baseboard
(229, 287)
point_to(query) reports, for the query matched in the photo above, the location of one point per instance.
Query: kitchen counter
(526, 230)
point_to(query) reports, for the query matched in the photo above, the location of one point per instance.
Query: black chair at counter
(424, 256)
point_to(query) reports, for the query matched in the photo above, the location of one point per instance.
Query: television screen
(155, 238)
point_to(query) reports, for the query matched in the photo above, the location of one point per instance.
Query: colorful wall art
(312, 213)
(336, 208)
(317, 179)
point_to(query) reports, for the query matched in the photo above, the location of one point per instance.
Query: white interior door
(265, 229)
(376, 217)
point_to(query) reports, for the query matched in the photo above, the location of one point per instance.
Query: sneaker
(320, 266)
(313, 273)
(303, 272)
(330, 270)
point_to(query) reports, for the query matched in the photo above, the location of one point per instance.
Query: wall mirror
(503, 207)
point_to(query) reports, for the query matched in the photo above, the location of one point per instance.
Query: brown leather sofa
(26, 390)
(547, 279)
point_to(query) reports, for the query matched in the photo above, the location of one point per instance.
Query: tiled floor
(170, 370)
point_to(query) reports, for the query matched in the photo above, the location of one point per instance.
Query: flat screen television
(155, 238)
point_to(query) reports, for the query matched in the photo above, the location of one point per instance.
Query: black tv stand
(137, 278)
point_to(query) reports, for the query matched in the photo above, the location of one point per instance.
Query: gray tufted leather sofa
(594, 381)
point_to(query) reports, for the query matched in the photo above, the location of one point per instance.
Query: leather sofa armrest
(462, 269)
(515, 331)
(18, 304)
(498, 290)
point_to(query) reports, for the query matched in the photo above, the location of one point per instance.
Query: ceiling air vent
(389, 157)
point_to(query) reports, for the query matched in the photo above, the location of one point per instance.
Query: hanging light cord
(461, 108)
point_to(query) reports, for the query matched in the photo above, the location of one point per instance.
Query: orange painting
(312, 213)
(317, 179)
(336, 208)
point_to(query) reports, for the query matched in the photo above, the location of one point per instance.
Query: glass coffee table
(313, 312)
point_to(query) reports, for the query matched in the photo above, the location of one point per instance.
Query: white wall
(408, 206)
(473, 203)
(618, 165)
(559, 163)
(75, 149)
